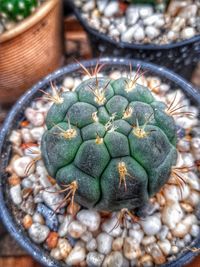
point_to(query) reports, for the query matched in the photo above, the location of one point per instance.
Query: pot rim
(126, 45)
(7, 217)
(41, 12)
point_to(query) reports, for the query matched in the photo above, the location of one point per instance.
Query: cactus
(17, 10)
(109, 144)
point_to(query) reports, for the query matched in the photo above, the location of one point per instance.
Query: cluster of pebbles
(84, 237)
(7, 24)
(144, 24)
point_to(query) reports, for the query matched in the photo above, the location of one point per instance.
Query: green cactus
(109, 143)
(17, 10)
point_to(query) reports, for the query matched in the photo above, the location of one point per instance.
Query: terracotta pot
(31, 50)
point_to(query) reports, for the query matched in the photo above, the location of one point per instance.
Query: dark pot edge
(35, 251)
(125, 45)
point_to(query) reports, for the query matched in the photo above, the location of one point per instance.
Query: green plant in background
(17, 10)
(109, 143)
(159, 4)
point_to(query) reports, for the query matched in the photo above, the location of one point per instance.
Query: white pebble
(37, 133)
(94, 259)
(132, 15)
(136, 234)
(180, 230)
(139, 34)
(152, 32)
(34, 116)
(76, 229)
(38, 233)
(131, 248)
(194, 230)
(76, 256)
(63, 229)
(147, 240)
(51, 198)
(104, 243)
(21, 166)
(151, 225)
(114, 259)
(165, 246)
(188, 32)
(111, 9)
(118, 243)
(91, 245)
(88, 6)
(86, 236)
(15, 138)
(145, 11)
(172, 214)
(16, 194)
(89, 218)
(112, 227)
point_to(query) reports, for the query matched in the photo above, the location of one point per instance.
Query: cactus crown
(109, 143)
(17, 10)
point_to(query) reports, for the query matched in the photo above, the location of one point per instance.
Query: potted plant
(29, 43)
(163, 32)
(70, 220)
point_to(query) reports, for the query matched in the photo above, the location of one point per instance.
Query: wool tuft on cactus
(17, 10)
(109, 144)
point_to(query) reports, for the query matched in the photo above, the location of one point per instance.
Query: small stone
(151, 20)
(136, 234)
(27, 221)
(131, 248)
(88, 6)
(178, 24)
(52, 199)
(86, 236)
(188, 32)
(145, 11)
(64, 247)
(111, 9)
(165, 246)
(52, 240)
(187, 207)
(139, 34)
(132, 15)
(172, 214)
(112, 227)
(163, 233)
(35, 117)
(152, 32)
(49, 215)
(104, 243)
(89, 218)
(15, 138)
(117, 243)
(147, 240)
(76, 229)
(16, 194)
(146, 260)
(188, 11)
(187, 239)
(174, 250)
(36, 133)
(171, 193)
(94, 259)
(91, 245)
(76, 256)
(38, 233)
(55, 253)
(151, 225)
(114, 259)
(157, 255)
(23, 166)
(172, 36)
(63, 229)
(38, 218)
(127, 36)
(73, 208)
(194, 230)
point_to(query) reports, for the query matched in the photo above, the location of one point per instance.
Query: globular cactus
(109, 143)
(17, 10)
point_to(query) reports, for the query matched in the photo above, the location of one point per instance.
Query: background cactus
(17, 10)
(109, 143)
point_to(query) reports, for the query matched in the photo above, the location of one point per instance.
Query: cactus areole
(109, 143)
(17, 10)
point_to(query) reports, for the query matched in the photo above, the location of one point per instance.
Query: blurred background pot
(181, 56)
(29, 51)
(17, 115)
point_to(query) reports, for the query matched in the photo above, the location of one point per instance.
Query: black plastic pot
(17, 114)
(181, 57)
(67, 8)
